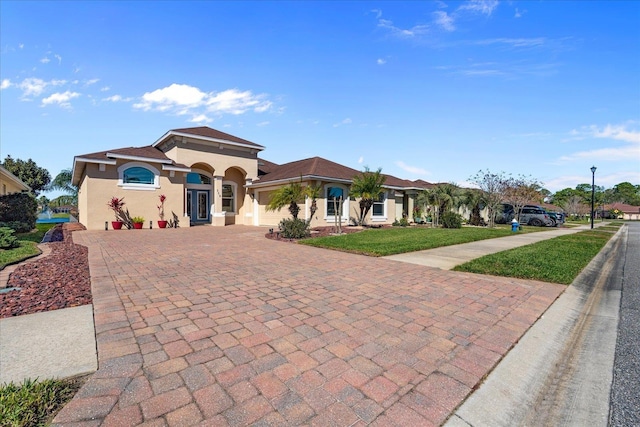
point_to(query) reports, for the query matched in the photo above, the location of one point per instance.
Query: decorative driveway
(220, 326)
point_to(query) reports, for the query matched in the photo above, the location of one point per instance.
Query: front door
(198, 206)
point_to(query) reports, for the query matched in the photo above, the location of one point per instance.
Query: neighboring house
(629, 212)
(210, 177)
(9, 183)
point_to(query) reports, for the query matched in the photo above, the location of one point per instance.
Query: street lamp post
(593, 191)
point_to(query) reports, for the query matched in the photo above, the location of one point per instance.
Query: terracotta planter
(138, 225)
(117, 225)
(162, 223)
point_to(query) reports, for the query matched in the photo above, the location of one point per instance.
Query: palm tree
(471, 198)
(291, 195)
(442, 198)
(62, 182)
(367, 186)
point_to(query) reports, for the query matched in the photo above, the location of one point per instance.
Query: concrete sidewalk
(448, 257)
(53, 344)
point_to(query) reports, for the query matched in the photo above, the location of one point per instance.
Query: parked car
(530, 215)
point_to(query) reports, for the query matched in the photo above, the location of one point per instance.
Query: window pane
(333, 193)
(197, 178)
(202, 205)
(138, 175)
(227, 191)
(227, 198)
(378, 209)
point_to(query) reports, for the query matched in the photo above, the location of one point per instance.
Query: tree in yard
(576, 207)
(471, 198)
(28, 172)
(367, 187)
(492, 186)
(625, 192)
(62, 182)
(290, 195)
(520, 191)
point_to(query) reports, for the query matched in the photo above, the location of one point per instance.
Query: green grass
(557, 260)
(61, 215)
(396, 240)
(34, 403)
(28, 246)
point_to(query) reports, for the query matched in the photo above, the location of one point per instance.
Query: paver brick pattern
(220, 326)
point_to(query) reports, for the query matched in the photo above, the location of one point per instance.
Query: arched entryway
(198, 194)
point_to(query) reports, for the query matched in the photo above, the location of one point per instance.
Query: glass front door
(198, 206)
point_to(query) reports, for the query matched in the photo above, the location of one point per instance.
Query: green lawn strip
(61, 215)
(34, 403)
(28, 246)
(24, 251)
(557, 260)
(389, 241)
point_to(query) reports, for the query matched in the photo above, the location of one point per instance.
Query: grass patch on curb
(28, 246)
(557, 260)
(396, 240)
(35, 403)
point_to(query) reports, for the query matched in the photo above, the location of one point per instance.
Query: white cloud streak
(444, 20)
(485, 7)
(411, 169)
(61, 99)
(6, 83)
(183, 99)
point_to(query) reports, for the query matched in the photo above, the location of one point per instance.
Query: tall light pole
(593, 191)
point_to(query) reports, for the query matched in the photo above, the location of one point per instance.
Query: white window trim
(148, 187)
(384, 216)
(345, 202)
(234, 187)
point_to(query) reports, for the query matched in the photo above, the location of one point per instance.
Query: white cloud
(62, 99)
(265, 123)
(444, 20)
(519, 13)
(618, 132)
(105, 89)
(91, 82)
(521, 42)
(346, 121)
(414, 31)
(34, 86)
(486, 7)
(235, 102)
(411, 169)
(183, 99)
(200, 118)
(378, 13)
(381, 61)
(45, 60)
(360, 160)
(117, 98)
(5, 84)
(612, 132)
(59, 58)
(605, 154)
(21, 45)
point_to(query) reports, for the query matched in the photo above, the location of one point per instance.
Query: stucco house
(628, 212)
(213, 178)
(9, 183)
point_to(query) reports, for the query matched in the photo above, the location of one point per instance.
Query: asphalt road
(625, 391)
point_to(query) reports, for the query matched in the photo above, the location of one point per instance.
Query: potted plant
(116, 204)
(162, 223)
(138, 222)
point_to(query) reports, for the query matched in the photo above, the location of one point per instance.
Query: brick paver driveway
(220, 326)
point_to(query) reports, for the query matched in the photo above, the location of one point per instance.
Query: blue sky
(431, 90)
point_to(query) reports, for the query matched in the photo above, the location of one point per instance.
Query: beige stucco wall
(98, 187)
(320, 218)
(8, 186)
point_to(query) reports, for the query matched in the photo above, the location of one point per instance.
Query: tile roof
(265, 167)
(622, 207)
(215, 134)
(314, 166)
(147, 152)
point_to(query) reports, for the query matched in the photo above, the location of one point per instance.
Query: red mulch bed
(59, 280)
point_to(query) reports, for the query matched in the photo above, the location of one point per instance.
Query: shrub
(17, 226)
(294, 228)
(19, 207)
(451, 220)
(137, 219)
(7, 239)
(402, 222)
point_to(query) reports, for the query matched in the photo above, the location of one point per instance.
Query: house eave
(171, 133)
(138, 158)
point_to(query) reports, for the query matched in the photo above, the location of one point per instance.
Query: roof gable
(314, 167)
(208, 134)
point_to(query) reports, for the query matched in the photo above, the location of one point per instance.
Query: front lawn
(557, 260)
(396, 240)
(28, 245)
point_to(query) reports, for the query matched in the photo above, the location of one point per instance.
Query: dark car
(530, 215)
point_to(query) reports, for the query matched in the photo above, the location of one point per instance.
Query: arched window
(138, 176)
(198, 178)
